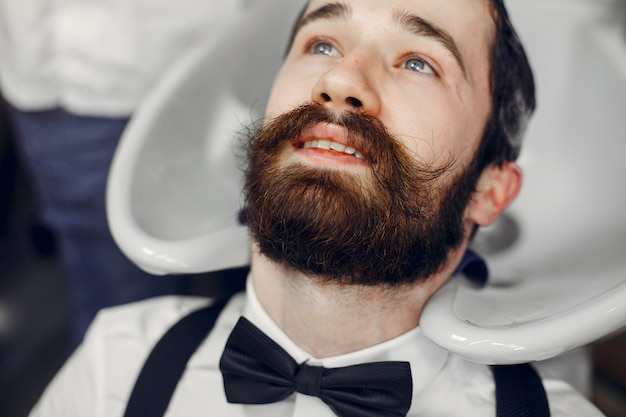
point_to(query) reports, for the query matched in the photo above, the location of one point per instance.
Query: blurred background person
(71, 74)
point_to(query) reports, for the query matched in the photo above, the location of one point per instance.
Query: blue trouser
(69, 157)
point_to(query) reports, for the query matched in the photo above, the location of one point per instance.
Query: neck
(331, 319)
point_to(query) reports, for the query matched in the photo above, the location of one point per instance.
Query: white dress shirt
(99, 377)
(98, 57)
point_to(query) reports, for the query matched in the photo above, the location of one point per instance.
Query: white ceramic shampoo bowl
(174, 188)
(562, 284)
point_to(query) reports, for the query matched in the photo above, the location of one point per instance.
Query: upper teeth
(330, 145)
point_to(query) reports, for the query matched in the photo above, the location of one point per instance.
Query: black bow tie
(256, 370)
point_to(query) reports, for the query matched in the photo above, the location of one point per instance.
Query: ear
(497, 187)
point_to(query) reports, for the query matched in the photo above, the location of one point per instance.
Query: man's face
(428, 85)
(369, 184)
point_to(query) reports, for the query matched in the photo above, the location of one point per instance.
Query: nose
(348, 86)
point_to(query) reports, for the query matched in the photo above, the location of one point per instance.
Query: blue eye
(323, 48)
(418, 65)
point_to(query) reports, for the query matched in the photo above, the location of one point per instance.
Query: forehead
(466, 13)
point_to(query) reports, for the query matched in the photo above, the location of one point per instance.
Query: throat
(328, 320)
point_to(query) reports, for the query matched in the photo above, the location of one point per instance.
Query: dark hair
(512, 91)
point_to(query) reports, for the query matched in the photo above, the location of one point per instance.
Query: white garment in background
(97, 380)
(99, 57)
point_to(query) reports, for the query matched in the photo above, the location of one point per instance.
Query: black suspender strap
(167, 361)
(519, 392)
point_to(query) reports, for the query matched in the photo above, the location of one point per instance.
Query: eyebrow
(330, 11)
(421, 27)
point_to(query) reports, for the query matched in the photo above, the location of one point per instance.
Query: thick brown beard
(392, 229)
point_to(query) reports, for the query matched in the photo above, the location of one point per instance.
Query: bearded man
(390, 136)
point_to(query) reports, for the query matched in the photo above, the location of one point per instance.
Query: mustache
(365, 133)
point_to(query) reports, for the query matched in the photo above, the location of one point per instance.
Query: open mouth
(331, 138)
(333, 146)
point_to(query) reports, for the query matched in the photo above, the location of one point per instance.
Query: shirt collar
(426, 358)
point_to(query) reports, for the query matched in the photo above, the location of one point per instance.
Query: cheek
(433, 130)
(289, 91)
(425, 131)
(277, 99)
